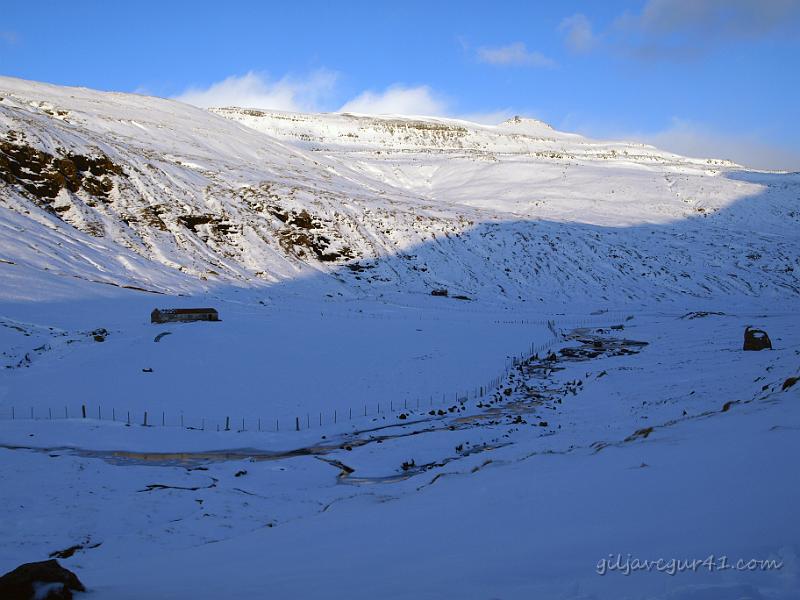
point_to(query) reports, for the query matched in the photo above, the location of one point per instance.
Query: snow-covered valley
(580, 391)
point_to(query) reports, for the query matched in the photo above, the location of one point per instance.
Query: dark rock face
(756, 339)
(302, 235)
(639, 434)
(43, 175)
(99, 335)
(47, 580)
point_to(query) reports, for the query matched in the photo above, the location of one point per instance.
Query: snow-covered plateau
(578, 402)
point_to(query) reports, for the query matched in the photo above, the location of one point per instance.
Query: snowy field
(530, 508)
(269, 359)
(582, 392)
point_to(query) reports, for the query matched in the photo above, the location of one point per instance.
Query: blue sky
(703, 77)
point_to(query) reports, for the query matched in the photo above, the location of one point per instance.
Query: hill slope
(151, 193)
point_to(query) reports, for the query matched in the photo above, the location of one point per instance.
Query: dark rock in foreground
(46, 580)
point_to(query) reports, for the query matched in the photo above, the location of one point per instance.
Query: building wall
(172, 318)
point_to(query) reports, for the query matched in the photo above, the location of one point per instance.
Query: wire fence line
(309, 420)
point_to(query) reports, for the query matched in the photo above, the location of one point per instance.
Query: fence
(306, 420)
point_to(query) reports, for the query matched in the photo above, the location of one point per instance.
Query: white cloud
(255, 90)
(314, 93)
(680, 29)
(419, 101)
(734, 18)
(695, 139)
(398, 100)
(578, 34)
(684, 29)
(514, 54)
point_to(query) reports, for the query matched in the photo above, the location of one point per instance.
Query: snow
(530, 518)
(318, 238)
(272, 360)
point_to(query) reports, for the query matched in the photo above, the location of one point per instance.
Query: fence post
(50, 412)
(99, 416)
(259, 423)
(83, 410)
(129, 418)
(334, 416)
(113, 414)
(227, 423)
(297, 423)
(66, 412)
(12, 413)
(145, 419)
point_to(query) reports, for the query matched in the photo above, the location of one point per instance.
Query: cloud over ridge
(256, 90)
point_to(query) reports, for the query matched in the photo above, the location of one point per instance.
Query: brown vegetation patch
(44, 175)
(304, 235)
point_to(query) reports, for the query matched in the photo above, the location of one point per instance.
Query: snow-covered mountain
(146, 192)
(341, 423)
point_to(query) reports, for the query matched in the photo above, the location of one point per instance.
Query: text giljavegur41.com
(627, 564)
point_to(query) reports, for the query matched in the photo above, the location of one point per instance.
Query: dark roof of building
(185, 311)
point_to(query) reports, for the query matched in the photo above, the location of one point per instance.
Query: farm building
(183, 315)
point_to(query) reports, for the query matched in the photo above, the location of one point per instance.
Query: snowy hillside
(580, 391)
(150, 193)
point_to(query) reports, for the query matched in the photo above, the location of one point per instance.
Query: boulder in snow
(756, 339)
(45, 580)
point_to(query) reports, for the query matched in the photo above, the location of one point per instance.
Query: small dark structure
(439, 292)
(27, 581)
(183, 315)
(756, 339)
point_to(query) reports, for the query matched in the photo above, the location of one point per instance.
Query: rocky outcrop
(44, 175)
(756, 339)
(45, 580)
